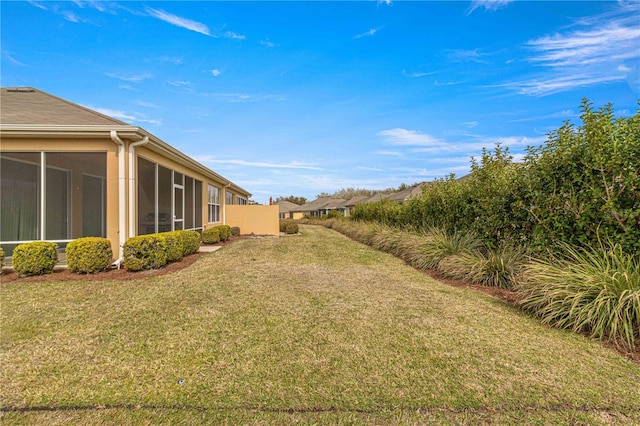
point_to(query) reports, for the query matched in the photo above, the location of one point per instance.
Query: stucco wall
(259, 220)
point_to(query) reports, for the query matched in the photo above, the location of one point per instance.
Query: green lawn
(297, 330)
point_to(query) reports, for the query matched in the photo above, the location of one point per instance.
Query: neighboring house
(351, 203)
(407, 193)
(320, 206)
(68, 172)
(287, 210)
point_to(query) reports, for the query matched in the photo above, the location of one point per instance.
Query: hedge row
(219, 233)
(580, 188)
(155, 250)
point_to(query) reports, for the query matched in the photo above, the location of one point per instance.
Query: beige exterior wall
(259, 220)
(261, 225)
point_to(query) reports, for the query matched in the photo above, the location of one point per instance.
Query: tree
(292, 199)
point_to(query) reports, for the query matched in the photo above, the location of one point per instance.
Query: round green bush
(145, 252)
(225, 232)
(235, 231)
(211, 235)
(175, 248)
(89, 255)
(190, 241)
(35, 258)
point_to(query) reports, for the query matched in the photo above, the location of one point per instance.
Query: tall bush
(583, 185)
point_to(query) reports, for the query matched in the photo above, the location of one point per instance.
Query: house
(68, 172)
(287, 208)
(320, 206)
(407, 193)
(348, 205)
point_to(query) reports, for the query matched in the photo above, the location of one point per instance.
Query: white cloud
(39, 5)
(490, 5)
(458, 55)
(125, 116)
(216, 72)
(178, 21)
(263, 164)
(561, 83)
(369, 33)
(267, 43)
(179, 83)
(604, 49)
(130, 78)
(406, 137)
(232, 35)
(385, 2)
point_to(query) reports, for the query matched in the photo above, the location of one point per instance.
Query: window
(229, 198)
(52, 196)
(240, 200)
(214, 204)
(167, 200)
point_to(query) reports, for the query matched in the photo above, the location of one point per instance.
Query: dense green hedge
(153, 251)
(581, 187)
(89, 255)
(190, 241)
(35, 258)
(145, 252)
(1, 259)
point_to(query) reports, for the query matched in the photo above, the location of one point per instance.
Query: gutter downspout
(224, 211)
(122, 226)
(132, 192)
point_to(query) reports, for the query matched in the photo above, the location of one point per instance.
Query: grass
(310, 329)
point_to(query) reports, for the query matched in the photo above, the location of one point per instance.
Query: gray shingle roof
(26, 105)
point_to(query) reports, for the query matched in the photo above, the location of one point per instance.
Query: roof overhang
(131, 133)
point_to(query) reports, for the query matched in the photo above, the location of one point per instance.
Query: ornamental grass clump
(89, 255)
(440, 244)
(596, 291)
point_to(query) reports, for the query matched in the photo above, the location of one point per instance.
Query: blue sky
(298, 98)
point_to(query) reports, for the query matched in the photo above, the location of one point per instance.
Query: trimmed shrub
(175, 248)
(1, 259)
(225, 232)
(284, 223)
(89, 255)
(596, 291)
(235, 231)
(291, 228)
(190, 241)
(35, 258)
(145, 252)
(211, 235)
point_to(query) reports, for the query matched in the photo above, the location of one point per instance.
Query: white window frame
(213, 203)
